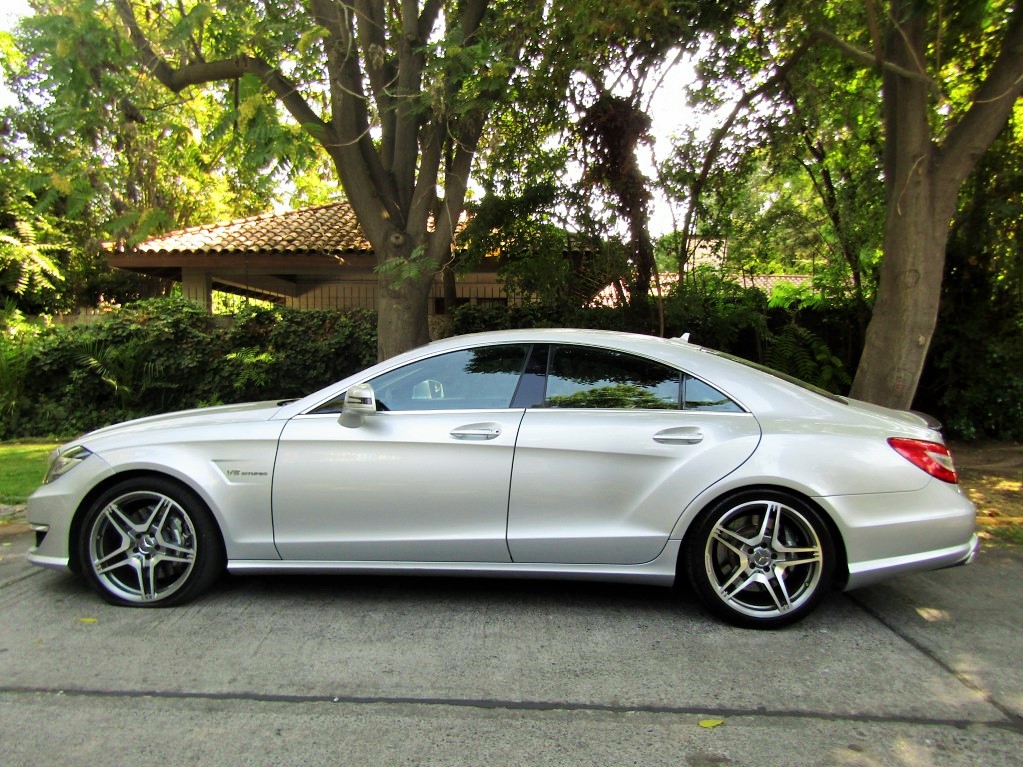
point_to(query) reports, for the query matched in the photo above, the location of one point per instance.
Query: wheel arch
(116, 479)
(686, 524)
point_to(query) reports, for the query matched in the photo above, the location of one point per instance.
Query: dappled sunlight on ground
(992, 476)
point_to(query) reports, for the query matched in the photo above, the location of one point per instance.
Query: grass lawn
(22, 467)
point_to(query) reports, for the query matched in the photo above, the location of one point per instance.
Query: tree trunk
(401, 316)
(403, 298)
(908, 296)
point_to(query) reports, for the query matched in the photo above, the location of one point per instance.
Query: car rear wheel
(760, 559)
(149, 542)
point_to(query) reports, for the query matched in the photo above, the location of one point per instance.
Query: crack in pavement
(1009, 724)
(1010, 721)
(1015, 721)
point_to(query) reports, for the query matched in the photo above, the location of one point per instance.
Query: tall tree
(613, 127)
(396, 93)
(933, 140)
(947, 77)
(583, 104)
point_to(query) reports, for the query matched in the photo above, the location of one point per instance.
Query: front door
(424, 480)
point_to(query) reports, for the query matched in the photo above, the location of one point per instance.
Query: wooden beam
(268, 284)
(267, 263)
(197, 286)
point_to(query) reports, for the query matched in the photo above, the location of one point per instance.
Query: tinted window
(701, 396)
(483, 378)
(584, 377)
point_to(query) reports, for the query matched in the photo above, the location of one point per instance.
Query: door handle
(683, 435)
(477, 432)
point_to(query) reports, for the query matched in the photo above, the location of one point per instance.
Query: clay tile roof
(768, 282)
(328, 229)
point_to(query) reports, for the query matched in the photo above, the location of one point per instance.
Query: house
(311, 258)
(319, 258)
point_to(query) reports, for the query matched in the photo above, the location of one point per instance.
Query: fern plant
(801, 353)
(24, 260)
(127, 368)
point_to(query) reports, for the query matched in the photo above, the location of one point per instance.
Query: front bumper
(51, 512)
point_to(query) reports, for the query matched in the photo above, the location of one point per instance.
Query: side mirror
(360, 401)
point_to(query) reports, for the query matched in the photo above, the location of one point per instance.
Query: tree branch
(177, 79)
(992, 104)
(431, 9)
(719, 136)
(472, 17)
(411, 61)
(370, 189)
(372, 24)
(868, 59)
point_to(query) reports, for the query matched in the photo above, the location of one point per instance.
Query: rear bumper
(888, 534)
(866, 573)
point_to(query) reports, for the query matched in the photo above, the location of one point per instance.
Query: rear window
(783, 376)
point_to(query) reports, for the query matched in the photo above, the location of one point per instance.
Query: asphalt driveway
(923, 670)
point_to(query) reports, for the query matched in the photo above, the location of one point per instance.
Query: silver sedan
(534, 453)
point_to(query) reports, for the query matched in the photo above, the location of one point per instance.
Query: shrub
(168, 354)
(974, 381)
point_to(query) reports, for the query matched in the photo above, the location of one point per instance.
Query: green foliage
(536, 257)
(24, 260)
(800, 353)
(399, 270)
(321, 346)
(982, 377)
(717, 313)
(95, 152)
(620, 396)
(809, 339)
(160, 355)
(126, 367)
(14, 367)
(474, 318)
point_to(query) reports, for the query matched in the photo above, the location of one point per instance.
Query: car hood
(207, 416)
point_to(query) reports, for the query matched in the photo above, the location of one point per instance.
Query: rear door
(620, 446)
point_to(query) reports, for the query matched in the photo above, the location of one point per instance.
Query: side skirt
(660, 571)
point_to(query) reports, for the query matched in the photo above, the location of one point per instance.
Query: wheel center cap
(761, 557)
(147, 544)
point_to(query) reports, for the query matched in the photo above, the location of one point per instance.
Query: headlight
(63, 462)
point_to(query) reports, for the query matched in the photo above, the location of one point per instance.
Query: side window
(701, 396)
(472, 379)
(586, 377)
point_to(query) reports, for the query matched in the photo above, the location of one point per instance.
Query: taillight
(932, 457)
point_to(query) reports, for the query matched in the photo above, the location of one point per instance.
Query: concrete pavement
(922, 670)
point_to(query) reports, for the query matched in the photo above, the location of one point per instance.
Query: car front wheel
(149, 542)
(761, 559)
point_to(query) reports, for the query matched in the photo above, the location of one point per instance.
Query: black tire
(149, 542)
(760, 559)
